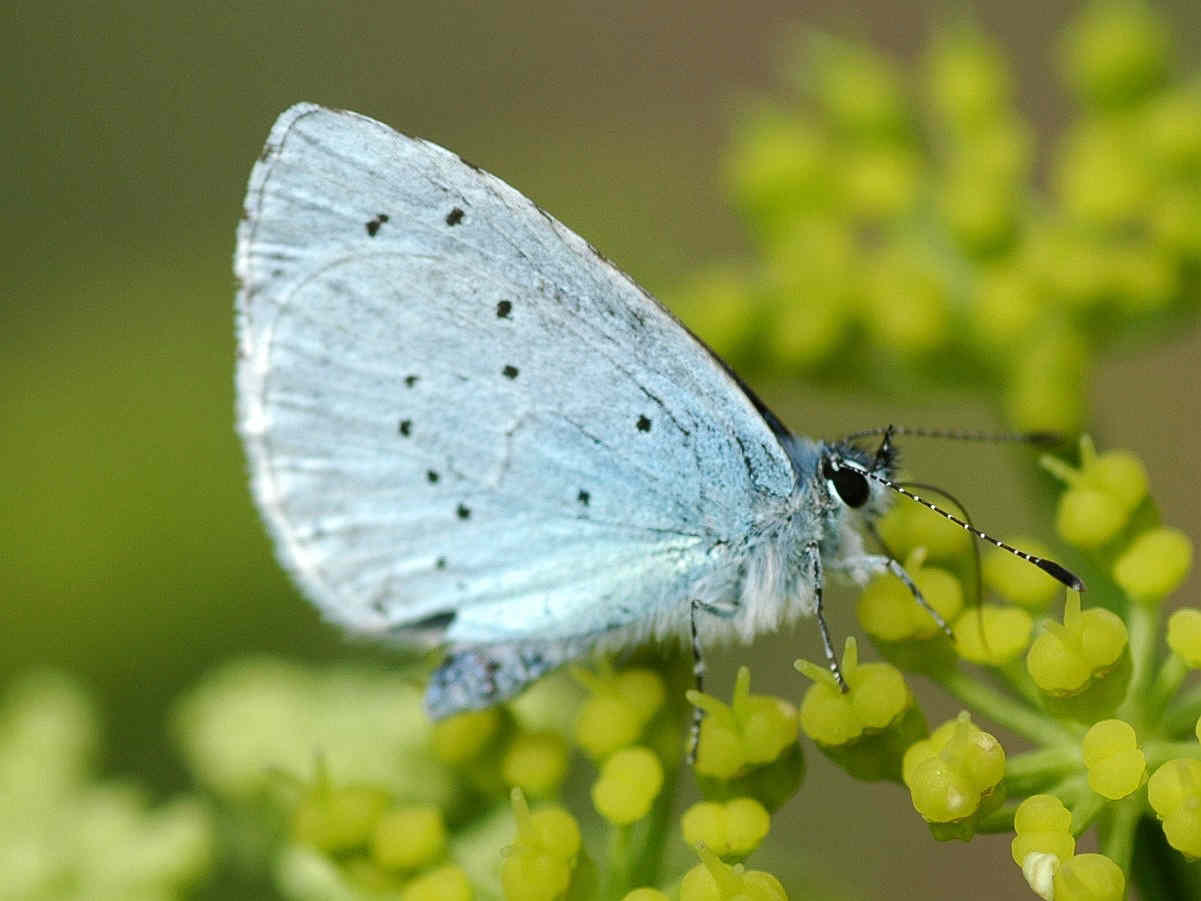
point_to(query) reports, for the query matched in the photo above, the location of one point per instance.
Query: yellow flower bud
(888, 611)
(780, 164)
(968, 80)
(712, 880)
(877, 695)
(949, 773)
(1089, 877)
(1184, 635)
(536, 762)
(645, 894)
(1174, 793)
(1088, 517)
(408, 837)
(1042, 825)
(1046, 382)
(462, 737)
(337, 819)
(540, 862)
(618, 709)
(1155, 564)
(1065, 658)
(992, 634)
(1016, 580)
(734, 828)
(857, 88)
(448, 883)
(1102, 494)
(906, 299)
(1008, 300)
(751, 730)
(629, 782)
(1114, 53)
(1114, 761)
(880, 183)
(907, 527)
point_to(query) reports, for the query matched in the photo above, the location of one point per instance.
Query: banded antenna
(1050, 567)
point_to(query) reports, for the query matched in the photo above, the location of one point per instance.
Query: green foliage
(900, 230)
(901, 241)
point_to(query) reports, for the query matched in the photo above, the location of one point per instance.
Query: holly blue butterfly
(467, 428)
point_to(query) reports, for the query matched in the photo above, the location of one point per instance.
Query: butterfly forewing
(458, 413)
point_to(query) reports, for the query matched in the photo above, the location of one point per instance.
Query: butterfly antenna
(1050, 567)
(1036, 438)
(977, 568)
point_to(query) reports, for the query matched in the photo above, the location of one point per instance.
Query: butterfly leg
(698, 666)
(815, 563)
(880, 563)
(897, 570)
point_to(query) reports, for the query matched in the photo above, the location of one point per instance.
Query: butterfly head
(847, 471)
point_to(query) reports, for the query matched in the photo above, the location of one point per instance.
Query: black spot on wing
(431, 476)
(583, 497)
(644, 424)
(410, 381)
(509, 372)
(440, 563)
(463, 511)
(503, 309)
(454, 217)
(406, 427)
(374, 224)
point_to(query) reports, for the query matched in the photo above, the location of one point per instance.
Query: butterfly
(466, 428)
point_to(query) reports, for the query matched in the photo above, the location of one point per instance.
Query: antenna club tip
(1060, 573)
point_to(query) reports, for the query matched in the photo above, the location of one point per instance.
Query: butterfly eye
(851, 486)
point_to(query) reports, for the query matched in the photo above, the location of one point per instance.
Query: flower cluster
(1097, 693)
(899, 226)
(375, 801)
(898, 233)
(64, 834)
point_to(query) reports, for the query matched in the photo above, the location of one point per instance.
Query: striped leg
(698, 677)
(815, 560)
(897, 570)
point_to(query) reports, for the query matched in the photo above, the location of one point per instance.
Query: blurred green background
(131, 555)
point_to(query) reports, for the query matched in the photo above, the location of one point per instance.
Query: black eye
(851, 486)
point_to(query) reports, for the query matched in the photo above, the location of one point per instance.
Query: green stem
(648, 860)
(1004, 710)
(1143, 625)
(1019, 679)
(617, 872)
(1191, 697)
(1000, 820)
(1159, 752)
(1159, 871)
(1085, 810)
(1117, 841)
(1029, 772)
(1181, 715)
(1171, 674)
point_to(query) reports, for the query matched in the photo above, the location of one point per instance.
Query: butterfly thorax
(826, 514)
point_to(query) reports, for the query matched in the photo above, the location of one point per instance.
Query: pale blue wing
(460, 418)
